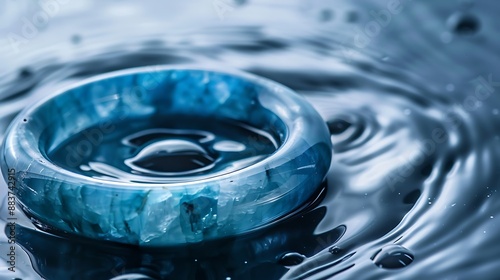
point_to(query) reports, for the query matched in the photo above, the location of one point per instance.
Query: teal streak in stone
(161, 156)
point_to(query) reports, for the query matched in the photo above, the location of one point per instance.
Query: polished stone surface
(162, 213)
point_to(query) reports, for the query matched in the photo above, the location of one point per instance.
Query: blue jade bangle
(167, 212)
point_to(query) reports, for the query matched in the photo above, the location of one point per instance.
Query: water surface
(410, 98)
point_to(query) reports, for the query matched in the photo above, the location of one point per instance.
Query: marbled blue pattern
(162, 214)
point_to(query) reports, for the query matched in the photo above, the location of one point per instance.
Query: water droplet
(491, 217)
(76, 39)
(338, 126)
(291, 259)
(352, 16)
(240, 2)
(25, 73)
(325, 15)
(495, 111)
(393, 256)
(463, 24)
(335, 250)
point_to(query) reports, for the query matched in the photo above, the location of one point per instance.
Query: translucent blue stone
(167, 211)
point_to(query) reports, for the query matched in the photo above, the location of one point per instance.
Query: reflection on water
(410, 98)
(178, 149)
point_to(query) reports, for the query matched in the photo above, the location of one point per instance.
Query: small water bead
(76, 39)
(338, 126)
(291, 259)
(325, 15)
(393, 256)
(25, 73)
(352, 17)
(463, 24)
(335, 250)
(240, 2)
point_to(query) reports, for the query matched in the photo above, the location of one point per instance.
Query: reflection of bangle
(161, 208)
